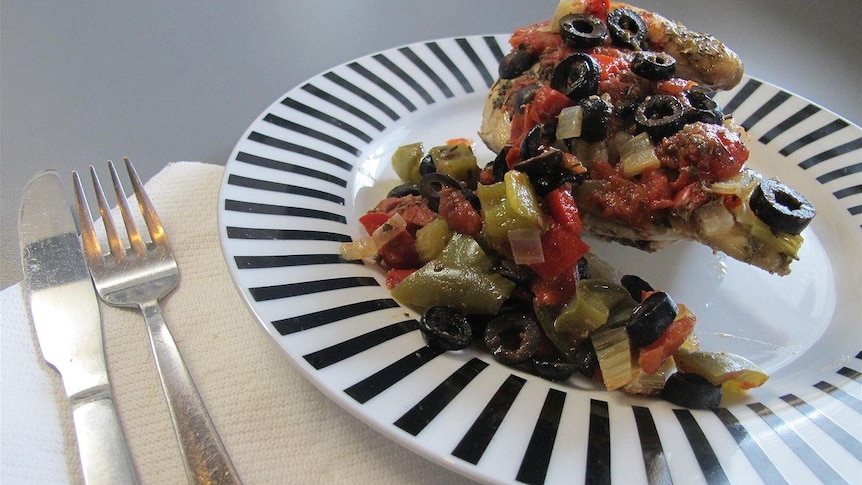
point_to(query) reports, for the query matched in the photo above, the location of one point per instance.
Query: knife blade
(64, 310)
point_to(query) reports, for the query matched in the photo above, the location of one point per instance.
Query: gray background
(86, 81)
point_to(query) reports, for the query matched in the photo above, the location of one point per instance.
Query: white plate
(319, 157)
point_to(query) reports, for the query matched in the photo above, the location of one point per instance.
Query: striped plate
(317, 158)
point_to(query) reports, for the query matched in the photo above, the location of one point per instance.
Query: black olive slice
(692, 391)
(660, 115)
(635, 285)
(446, 328)
(431, 184)
(515, 63)
(654, 66)
(499, 166)
(404, 190)
(523, 97)
(781, 207)
(555, 368)
(576, 76)
(703, 107)
(596, 117)
(512, 338)
(585, 358)
(651, 318)
(580, 30)
(534, 142)
(546, 171)
(627, 28)
(583, 267)
(427, 165)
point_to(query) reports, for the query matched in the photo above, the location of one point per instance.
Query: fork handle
(205, 458)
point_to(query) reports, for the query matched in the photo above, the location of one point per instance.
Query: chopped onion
(361, 249)
(638, 156)
(389, 230)
(569, 122)
(526, 246)
(739, 185)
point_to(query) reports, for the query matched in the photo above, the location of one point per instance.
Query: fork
(139, 276)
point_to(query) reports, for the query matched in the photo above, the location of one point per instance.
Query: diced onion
(361, 249)
(739, 185)
(389, 230)
(526, 246)
(638, 156)
(570, 122)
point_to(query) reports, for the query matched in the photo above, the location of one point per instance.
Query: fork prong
(115, 244)
(92, 248)
(135, 240)
(154, 224)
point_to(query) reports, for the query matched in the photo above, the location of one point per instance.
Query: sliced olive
(537, 140)
(651, 318)
(654, 66)
(499, 166)
(585, 358)
(546, 171)
(692, 391)
(627, 28)
(583, 268)
(576, 76)
(446, 328)
(703, 107)
(780, 207)
(523, 97)
(580, 30)
(404, 190)
(512, 338)
(555, 368)
(660, 116)
(597, 114)
(431, 184)
(515, 63)
(426, 165)
(635, 286)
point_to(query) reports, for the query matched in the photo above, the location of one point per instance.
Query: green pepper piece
(456, 161)
(499, 215)
(405, 162)
(522, 198)
(461, 278)
(590, 309)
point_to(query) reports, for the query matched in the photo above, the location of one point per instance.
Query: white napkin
(277, 427)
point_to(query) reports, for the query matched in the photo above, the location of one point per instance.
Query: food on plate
(493, 257)
(621, 100)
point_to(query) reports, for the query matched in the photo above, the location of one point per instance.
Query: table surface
(162, 81)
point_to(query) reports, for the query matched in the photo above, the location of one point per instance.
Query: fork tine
(88, 233)
(154, 224)
(135, 240)
(115, 244)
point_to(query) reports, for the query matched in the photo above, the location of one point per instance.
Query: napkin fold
(277, 427)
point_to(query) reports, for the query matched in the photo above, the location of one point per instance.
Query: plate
(318, 158)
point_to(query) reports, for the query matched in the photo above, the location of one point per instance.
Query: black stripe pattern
(288, 203)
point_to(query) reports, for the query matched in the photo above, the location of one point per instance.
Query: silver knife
(65, 312)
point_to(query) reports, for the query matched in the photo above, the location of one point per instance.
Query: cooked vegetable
(456, 160)
(583, 30)
(577, 76)
(404, 189)
(431, 239)
(627, 28)
(406, 161)
(654, 66)
(536, 141)
(781, 207)
(637, 156)
(780, 241)
(512, 338)
(359, 249)
(704, 108)
(509, 205)
(547, 171)
(590, 309)
(660, 115)
(613, 351)
(651, 318)
(461, 277)
(526, 245)
(570, 122)
(733, 371)
(692, 391)
(651, 357)
(636, 286)
(446, 328)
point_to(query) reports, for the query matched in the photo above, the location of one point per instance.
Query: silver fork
(139, 276)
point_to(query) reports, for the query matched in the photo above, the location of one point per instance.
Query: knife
(65, 313)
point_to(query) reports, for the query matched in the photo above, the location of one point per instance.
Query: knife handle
(101, 445)
(205, 457)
